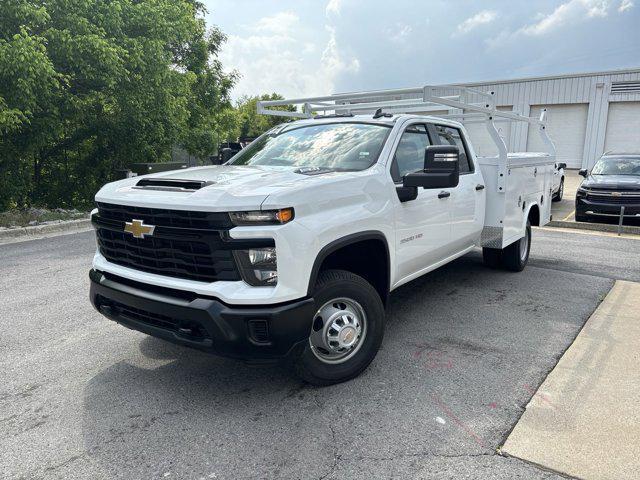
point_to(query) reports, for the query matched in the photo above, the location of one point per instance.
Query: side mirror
(562, 165)
(227, 153)
(583, 173)
(406, 194)
(441, 168)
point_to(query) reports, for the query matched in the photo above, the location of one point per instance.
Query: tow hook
(108, 310)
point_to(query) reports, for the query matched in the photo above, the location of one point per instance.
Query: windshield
(617, 166)
(335, 146)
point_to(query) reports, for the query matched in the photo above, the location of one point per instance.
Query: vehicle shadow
(457, 341)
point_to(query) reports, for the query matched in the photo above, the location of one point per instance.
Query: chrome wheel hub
(524, 246)
(338, 329)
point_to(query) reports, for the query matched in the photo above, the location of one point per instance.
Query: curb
(600, 227)
(37, 230)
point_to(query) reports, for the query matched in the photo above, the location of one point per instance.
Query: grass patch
(37, 216)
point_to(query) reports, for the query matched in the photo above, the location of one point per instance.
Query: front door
(422, 225)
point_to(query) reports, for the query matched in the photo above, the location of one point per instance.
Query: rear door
(467, 200)
(422, 225)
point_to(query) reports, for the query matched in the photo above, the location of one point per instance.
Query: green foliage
(88, 86)
(249, 124)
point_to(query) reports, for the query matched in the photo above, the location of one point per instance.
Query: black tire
(516, 255)
(559, 194)
(492, 257)
(332, 284)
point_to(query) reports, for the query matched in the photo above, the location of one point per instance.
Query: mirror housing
(441, 168)
(406, 194)
(583, 172)
(562, 165)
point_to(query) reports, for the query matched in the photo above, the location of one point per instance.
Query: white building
(588, 114)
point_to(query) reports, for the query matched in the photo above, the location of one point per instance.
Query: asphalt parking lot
(465, 349)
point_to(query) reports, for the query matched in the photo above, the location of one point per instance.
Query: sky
(319, 47)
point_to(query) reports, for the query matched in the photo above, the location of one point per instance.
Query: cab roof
(368, 118)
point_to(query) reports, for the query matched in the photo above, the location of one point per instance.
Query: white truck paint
(489, 206)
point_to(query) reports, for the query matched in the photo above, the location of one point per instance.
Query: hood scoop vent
(171, 184)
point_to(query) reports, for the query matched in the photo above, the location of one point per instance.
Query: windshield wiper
(313, 170)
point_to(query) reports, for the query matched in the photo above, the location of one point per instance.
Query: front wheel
(346, 331)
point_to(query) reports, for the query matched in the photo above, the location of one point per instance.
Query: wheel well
(366, 258)
(534, 215)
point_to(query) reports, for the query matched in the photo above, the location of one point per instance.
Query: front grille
(165, 218)
(192, 260)
(184, 252)
(185, 328)
(613, 199)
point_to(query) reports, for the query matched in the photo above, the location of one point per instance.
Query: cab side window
(409, 155)
(452, 136)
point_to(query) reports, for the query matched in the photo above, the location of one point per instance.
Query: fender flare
(343, 242)
(526, 217)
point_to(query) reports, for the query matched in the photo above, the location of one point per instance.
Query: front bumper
(248, 332)
(601, 210)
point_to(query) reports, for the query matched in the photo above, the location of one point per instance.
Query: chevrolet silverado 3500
(290, 250)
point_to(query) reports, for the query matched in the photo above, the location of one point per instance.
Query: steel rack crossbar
(481, 110)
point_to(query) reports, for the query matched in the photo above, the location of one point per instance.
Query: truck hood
(229, 187)
(612, 182)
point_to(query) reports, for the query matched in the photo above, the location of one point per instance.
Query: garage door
(567, 125)
(623, 128)
(483, 145)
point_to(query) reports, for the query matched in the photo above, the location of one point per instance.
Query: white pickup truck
(290, 250)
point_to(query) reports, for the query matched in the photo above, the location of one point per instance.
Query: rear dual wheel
(560, 193)
(513, 257)
(346, 331)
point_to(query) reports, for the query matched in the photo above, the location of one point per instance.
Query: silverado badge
(138, 229)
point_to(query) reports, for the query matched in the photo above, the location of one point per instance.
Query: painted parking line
(597, 233)
(583, 420)
(568, 216)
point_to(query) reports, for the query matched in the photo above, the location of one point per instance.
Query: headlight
(262, 217)
(581, 192)
(258, 266)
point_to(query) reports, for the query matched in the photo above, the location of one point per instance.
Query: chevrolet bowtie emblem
(138, 229)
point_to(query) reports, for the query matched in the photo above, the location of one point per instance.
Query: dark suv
(611, 189)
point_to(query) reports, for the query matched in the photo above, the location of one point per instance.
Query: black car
(613, 183)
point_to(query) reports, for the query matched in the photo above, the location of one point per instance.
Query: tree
(249, 123)
(88, 86)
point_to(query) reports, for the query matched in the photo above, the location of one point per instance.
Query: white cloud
(280, 23)
(333, 61)
(480, 18)
(278, 54)
(625, 5)
(333, 7)
(567, 13)
(399, 33)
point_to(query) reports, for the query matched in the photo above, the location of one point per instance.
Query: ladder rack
(481, 110)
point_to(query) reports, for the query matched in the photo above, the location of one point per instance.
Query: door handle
(479, 187)
(444, 194)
